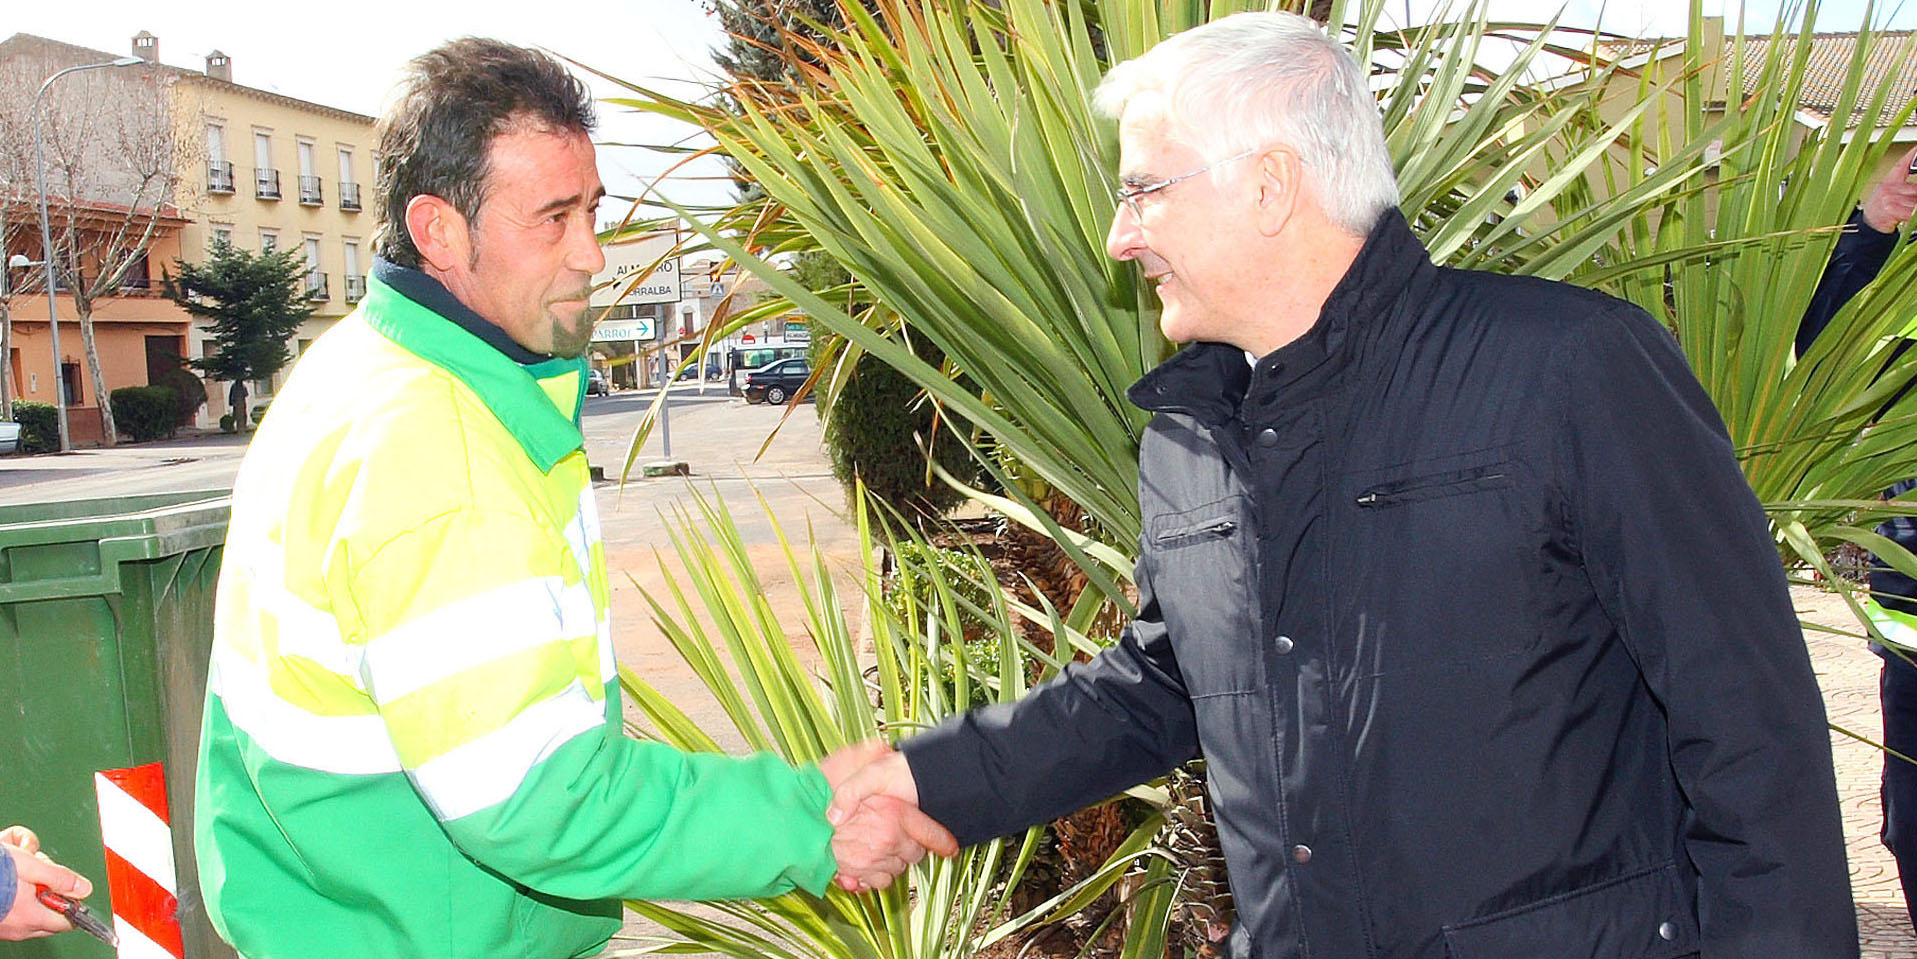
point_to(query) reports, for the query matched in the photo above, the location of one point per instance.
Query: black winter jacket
(1465, 601)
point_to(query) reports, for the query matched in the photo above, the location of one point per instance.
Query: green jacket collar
(511, 390)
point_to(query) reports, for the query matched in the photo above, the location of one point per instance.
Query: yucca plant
(944, 152)
(718, 618)
(1816, 436)
(949, 161)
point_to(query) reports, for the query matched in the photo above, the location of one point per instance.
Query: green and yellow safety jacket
(413, 743)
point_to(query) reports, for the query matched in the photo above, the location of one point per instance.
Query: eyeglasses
(1128, 195)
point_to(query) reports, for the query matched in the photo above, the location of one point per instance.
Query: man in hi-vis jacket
(413, 743)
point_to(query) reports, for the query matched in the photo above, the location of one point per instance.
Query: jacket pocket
(1184, 530)
(1435, 486)
(1441, 561)
(1202, 569)
(1644, 915)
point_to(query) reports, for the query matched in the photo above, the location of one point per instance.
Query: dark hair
(434, 140)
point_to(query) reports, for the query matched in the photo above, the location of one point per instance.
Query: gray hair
(1251, 80)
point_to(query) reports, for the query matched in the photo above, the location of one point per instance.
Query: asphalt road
(719, 436)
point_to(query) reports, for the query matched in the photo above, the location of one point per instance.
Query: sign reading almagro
(615, 286)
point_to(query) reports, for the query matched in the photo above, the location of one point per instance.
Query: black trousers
(1898, 686)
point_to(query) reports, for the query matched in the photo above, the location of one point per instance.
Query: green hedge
(874, 433)
(189, 394)
(145, 412)
(39, 430)
(909, 594)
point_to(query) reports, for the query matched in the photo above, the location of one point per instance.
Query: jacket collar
(415, 285)
(1210, 381)
(538, 402)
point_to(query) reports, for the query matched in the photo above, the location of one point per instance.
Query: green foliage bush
(145, 412)
(39, 430)
(189, 394)
(969, 577)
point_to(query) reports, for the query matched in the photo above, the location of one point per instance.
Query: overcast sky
(346, 53)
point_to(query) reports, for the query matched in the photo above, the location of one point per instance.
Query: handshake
(878, 829)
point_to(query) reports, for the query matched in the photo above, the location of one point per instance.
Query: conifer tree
(252, 304)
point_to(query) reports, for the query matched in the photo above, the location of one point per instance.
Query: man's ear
(439, 232)
(1276, 179)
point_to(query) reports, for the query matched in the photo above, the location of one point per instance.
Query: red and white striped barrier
(139, 861)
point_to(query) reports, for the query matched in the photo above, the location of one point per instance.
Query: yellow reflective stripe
(448, 559)
(485, 772)
(349, 745)
(1899, 628)
(489, 696)
(478, 629)
(314, 688)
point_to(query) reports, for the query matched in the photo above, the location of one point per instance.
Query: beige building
(259, 169)
(271, 172)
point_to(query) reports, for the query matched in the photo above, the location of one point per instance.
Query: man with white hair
(1452, 578)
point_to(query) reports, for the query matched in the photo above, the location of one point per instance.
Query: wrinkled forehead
(1146, 133)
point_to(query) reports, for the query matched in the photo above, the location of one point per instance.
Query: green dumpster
(106, 620)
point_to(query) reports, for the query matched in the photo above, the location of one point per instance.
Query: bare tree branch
(112, 159)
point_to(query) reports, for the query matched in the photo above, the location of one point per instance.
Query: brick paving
(1848, 673)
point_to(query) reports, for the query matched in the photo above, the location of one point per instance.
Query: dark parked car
(776, 382)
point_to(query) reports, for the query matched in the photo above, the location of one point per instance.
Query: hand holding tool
(78, 914)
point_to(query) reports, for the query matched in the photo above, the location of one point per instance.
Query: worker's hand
(879, 830)
(26, 918)
(1891, 201)
(21, 838)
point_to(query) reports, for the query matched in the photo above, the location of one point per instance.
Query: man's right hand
(1891, 201)
(879, 830)
(26, 918)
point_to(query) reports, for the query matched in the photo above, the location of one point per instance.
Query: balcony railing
(219, 176)
(266, 184)
(316, 285)
(349, 196)
(355, 288)
(310, 194)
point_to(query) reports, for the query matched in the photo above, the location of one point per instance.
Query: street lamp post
(46, 240)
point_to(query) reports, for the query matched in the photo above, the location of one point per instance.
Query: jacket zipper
(1216, 529)
(1374, 498)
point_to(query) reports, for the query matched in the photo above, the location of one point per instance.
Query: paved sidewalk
(193, 461)
(1848, 673)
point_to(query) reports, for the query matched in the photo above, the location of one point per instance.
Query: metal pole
(665, 419)
(46, 241)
